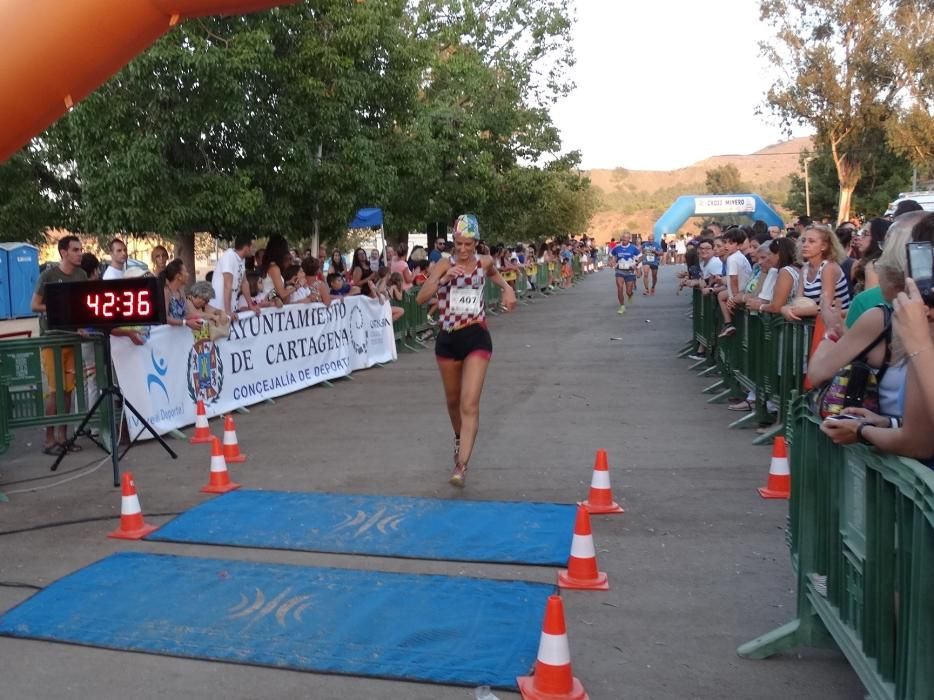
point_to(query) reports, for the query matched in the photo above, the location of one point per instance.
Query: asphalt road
(697, 564)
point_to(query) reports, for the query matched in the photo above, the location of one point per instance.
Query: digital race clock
(105, 304)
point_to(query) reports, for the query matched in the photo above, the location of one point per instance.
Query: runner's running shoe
(458, 476)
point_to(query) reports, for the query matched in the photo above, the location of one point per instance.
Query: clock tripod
(104, 305)
(109, 393)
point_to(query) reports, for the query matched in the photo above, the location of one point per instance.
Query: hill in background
(634, 199)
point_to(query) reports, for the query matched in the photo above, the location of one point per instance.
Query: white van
(925, 199)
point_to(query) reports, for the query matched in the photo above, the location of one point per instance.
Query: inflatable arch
(752, 205)
(54, 53)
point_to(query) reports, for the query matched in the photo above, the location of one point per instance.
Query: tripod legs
(148, 427)
(105, 394)
(109, 393)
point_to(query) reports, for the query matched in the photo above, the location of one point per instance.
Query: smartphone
(839, 416)
(921, 268)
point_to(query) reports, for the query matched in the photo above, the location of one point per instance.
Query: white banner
(724, 205)
(275, 353)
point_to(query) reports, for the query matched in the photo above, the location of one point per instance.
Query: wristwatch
(862, 438)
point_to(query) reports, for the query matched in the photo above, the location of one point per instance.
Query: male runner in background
(625, 256)
(651, 256)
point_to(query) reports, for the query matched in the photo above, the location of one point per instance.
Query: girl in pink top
(399, 265)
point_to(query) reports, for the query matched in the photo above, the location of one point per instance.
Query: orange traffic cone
(582, 570)
(202, 429)
(220, 478)
(132, 526)
(779, 483)
(231, 446)
(553, 678)
(600, 501)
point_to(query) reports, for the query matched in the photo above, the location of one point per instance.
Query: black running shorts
(457, 345)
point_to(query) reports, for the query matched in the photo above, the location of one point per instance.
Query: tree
(885, 174)
(912, 135)
(496, 66)
(724, 179)
(850, 68)
(34, 196)
(273, 122)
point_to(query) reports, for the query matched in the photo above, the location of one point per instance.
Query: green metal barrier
(542, 279)
(400, 327)
(766, 355)
(862, 543)
(522, 287)
(23, 384)
(492, 297)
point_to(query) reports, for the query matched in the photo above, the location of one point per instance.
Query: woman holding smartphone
(871, 334)
(913, 436)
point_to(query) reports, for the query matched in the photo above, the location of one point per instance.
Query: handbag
(857, 383)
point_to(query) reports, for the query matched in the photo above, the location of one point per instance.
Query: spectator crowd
(868, 288)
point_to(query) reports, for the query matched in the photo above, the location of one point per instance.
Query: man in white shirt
(229, 278)
(118, 256)
(738, 272)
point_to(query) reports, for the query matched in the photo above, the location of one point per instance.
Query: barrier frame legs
(708, 371)
(765, 439)
(717, 398)
(751, 417)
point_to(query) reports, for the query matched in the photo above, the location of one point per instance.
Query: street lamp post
(807, 188)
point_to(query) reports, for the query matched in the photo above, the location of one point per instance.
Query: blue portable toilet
(23, 268)
(4, 284)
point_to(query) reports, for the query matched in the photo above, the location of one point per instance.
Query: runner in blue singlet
(625, 257)
(651, 256)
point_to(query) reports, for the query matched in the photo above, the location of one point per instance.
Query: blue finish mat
(437, 629)
(391, 526)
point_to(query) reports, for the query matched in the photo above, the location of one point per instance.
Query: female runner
(463, 347)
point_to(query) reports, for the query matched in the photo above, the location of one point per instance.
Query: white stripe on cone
(129, 505)
(201, 421)
(582, 547)
(218, 463)
(779, 466)
(553, 649)
(600, 480)
(230, 437)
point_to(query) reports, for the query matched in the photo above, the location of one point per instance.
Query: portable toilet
(4, 284)
(23, 269)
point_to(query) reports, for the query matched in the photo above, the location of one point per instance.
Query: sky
(662, 84)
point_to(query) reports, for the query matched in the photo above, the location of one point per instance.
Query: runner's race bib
(465, 300)
(650, 258)
(625, 264)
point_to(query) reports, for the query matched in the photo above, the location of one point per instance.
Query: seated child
(339, 287)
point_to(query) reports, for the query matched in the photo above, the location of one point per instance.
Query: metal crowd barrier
(861, 533)
(766, 355)
(23, 384)
(860, 525)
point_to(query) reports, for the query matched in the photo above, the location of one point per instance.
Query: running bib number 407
(625, 264)
(465, 300)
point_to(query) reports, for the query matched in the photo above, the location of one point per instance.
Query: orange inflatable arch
(53, 53)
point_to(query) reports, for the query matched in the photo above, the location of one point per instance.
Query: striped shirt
(841, 290)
